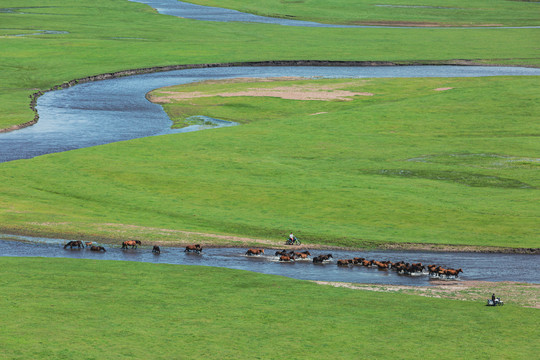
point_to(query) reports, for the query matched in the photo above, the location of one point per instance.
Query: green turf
(400, 12)
(408, 164)
(86, 309)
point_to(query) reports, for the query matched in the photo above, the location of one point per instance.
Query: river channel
(476, 266)
(209, 13)
(101, 112)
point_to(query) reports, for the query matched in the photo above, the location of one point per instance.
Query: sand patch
(292, 92)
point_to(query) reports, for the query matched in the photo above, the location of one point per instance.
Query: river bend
(101, 112)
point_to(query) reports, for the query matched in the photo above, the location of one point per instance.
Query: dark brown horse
(78, 243)
(132, 243)
(97, 248)
(255, 252)
(322, 258)
(156, 250)
(197, 248)
(345, 262)
(282, 252)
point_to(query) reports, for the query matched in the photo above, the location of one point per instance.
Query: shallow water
(107, 111)
(208, 13)
(476, 266)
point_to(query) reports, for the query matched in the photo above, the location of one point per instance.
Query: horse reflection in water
(97, 248)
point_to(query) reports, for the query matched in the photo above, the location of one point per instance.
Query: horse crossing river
(476, 266)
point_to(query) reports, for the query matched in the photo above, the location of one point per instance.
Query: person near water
(292, 238)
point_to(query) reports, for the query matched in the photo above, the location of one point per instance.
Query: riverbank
(139, 71)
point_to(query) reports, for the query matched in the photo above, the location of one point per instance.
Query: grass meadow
(409, 164)
(75, 309)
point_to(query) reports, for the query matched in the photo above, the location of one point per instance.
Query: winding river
(107, 111)
(208, 13)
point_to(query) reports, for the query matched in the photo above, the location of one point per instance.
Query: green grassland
(398, 12)
(406, 165)
(250, 181)
(85, 309)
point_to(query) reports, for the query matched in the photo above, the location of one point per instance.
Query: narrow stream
(208, 13)
(476, 266)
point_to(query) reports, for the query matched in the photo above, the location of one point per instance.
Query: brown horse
(344, 262)
(78, 243)
(88, 243)
(286, 258)
(97, 248)
(452, 272)
(197, 248)
(302, 255)
(255, 252)
(156, 250)
(132, 243)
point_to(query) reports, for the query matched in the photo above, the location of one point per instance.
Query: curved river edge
(34, 97)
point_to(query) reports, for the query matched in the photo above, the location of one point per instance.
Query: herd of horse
(401, 267)
(129, 244)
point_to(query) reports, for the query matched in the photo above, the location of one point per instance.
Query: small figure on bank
(292, 238)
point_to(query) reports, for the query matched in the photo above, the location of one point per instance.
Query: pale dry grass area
(521, 294)
(292, 92)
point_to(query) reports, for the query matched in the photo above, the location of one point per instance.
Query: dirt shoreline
(515, 293)
(122, 73)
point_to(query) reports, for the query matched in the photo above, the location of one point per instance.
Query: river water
(476, 266)
(107, 111)
(208, 13)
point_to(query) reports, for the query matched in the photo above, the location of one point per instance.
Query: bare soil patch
(292, 92)
(443, 89)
